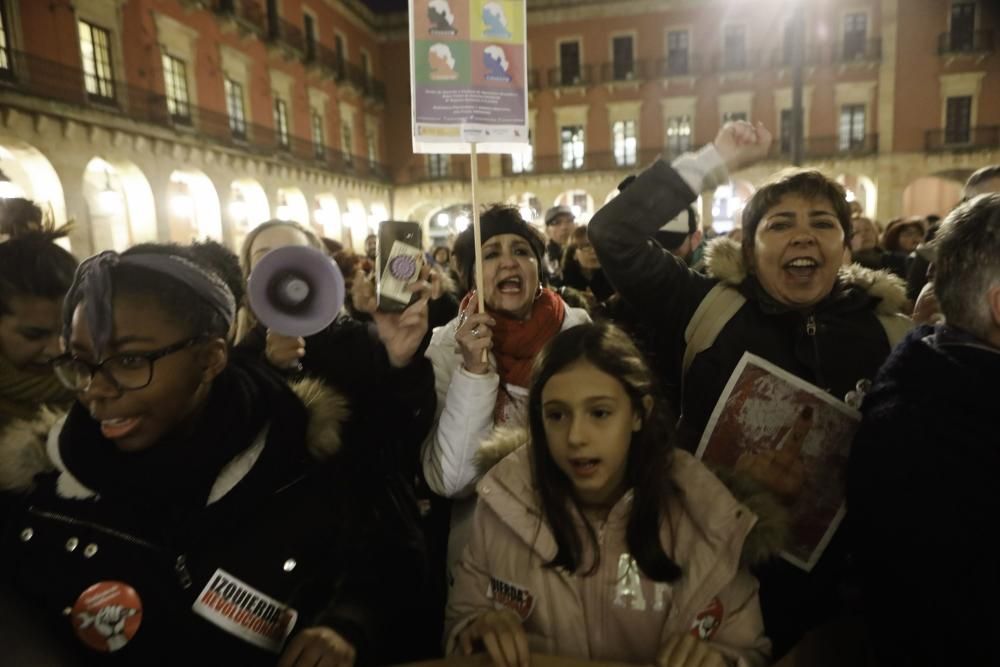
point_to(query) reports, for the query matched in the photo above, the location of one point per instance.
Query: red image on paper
(791, 437)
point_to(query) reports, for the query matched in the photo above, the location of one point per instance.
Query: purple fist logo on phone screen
(403, 267)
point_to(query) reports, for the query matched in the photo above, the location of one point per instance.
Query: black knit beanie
(496, 220)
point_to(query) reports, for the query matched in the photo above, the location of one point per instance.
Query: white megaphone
(296, 291)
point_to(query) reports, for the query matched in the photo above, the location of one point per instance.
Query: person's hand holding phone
(401, 333)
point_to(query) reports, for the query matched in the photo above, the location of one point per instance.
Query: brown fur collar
(769, 535)
(724, 260)
(23, 452)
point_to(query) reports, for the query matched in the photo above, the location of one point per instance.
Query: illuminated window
(523, 161)
(571, 141)
(234, 106)
(95, 49)
(624, 142)
(175, 85)
(678, 134)
(281, 122)
(319, 144)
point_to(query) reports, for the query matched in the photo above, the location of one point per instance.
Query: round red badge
(708, 620)
(107, 615)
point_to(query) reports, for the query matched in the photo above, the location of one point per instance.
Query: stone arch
(26, 172)
(379, 212)
(446, 222)
(727, 202)
(328, 219)
(292, 205)
(247, 208)
(529, 205)
(861, 188)
(355, 220)
(579, 201)
(120, 204)
(931, 195)
(194, 209)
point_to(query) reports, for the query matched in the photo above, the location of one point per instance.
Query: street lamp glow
(238, 210)
(182, 206)
(109, 202)
(9, 190)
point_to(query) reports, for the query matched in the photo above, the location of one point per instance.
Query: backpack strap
(715, 310)
(896, 327)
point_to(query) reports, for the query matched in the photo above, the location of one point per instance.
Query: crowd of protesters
(180, 483)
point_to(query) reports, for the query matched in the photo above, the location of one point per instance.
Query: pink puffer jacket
(616, 614)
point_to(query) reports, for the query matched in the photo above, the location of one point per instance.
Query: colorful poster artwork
(468, 75)
(791, 437)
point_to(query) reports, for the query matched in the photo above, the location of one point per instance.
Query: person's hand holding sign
(685, 650)
(474, 337)
(503, 636)
(318, 647)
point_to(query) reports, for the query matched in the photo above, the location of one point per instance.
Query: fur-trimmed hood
(724, 261)
(23, 451)
(768, 536)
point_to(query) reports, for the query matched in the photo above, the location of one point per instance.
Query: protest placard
(468, 75)
(793, 438)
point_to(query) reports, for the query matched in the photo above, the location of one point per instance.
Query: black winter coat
(922, 488)
(834, 346)
(349, 357)
(307, 523)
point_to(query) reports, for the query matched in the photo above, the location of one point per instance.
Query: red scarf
(516, 343)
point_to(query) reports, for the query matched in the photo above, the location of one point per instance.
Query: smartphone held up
(399, 259)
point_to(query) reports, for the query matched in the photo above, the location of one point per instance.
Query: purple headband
(92, 285)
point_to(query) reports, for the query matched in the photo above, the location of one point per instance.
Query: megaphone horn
(296, 291)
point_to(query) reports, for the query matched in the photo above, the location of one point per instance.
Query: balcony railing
(688, 64)
(447, 170)
(736, 61)
(559, 77)
(816, 148)
(811, 57)
(864, 51)
(971, 138)
(45, 79)
(976, 41)
(621, 72)
(534, 81)
(288, 34)
(362, 80)
(332, 61)
(249, 13)
(606, 161)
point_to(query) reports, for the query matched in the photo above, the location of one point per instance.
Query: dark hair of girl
(31, 264)
(647, 466)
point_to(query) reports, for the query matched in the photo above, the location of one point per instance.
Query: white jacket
(465, 403)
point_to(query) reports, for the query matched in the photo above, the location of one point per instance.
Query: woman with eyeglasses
(192, 507)
(581, 269)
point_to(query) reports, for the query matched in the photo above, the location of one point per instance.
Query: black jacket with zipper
(836, 344)
(310, 520)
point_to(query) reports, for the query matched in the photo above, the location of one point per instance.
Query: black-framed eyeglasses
(127, 372)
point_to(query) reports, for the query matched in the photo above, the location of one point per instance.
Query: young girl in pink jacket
(598, 540)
